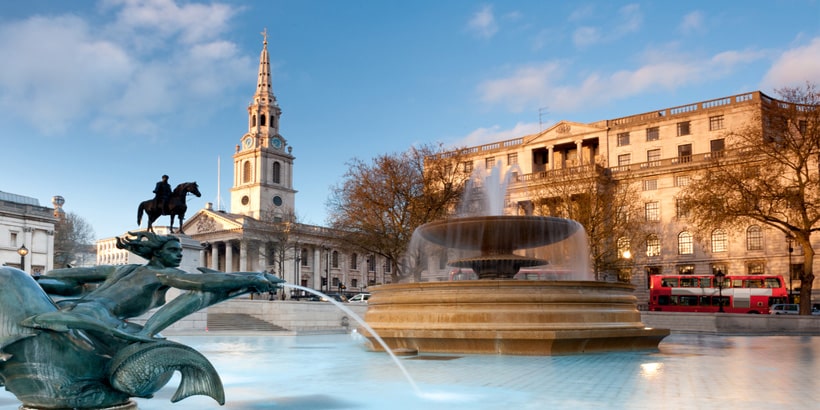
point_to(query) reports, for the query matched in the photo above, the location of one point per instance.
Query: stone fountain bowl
(498, 235)
(515, 317)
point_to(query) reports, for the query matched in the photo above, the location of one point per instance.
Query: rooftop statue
(65, 346)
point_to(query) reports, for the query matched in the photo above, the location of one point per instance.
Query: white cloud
(628, 20)
(483, 23)
(545, 84)
(795, 67)
(132, 73)
(585, 36)
(692, 22)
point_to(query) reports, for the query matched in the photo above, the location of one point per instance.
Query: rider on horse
(162, 192)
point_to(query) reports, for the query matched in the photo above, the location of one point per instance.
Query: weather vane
(264, 34)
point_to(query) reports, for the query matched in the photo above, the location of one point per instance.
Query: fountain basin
(508, 317)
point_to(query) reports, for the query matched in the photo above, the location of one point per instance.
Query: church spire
(264, 111)
(264, 89)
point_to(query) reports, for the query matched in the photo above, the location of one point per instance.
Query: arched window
(246, 171)
(253, 121)
(277, 173)
(262, 120)
(334, 259)
(719, 241)
(754, 238)
(685, 244)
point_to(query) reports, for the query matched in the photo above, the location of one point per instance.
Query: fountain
(497, 314)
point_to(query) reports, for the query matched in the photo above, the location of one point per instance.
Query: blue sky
(99, 98)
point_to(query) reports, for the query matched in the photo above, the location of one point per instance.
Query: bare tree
(603, 206)
(378, 205)
(770, 174)
(72, 234)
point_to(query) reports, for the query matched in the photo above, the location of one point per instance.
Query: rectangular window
(650, 184)
(652, 212)
(682, 180)
(653, 134)
(686, 269)
(755, 268)
(653, 246)
(717, 145)
(681, 208)
(13, 239)
(716, 123)
(468, 166)
(489, 163)
(685, 153)
(653, 155)
(803, 126)
(623, 139)
(623, 159)
(683, 128)
(512, 159)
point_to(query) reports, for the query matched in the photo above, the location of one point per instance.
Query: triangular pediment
(208, 221)
(566, 131)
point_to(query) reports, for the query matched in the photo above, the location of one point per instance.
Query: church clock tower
(263, 164)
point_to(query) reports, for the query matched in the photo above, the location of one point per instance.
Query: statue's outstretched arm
(70, 281)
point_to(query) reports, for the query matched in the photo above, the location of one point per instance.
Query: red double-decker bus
(700, 293)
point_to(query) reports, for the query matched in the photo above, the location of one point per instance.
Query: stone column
(263, 256)
(579, 152)
(243, 255)
(202, 257)
(550, 157)
(215, 255)
(228, 257)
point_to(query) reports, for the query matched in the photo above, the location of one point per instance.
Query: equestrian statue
(167, 202)
(66, 341)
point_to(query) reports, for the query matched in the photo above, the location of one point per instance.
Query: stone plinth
(509, 317)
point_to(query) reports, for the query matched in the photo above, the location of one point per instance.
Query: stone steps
(239, 321)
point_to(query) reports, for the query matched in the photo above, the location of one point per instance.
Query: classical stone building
(26, 233)
(259, 233)
(657, 150)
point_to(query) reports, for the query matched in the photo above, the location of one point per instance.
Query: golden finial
(264, 34)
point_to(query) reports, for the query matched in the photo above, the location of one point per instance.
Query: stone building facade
(26, 226)
(658, 150)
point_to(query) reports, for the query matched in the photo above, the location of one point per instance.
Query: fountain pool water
(316, 372)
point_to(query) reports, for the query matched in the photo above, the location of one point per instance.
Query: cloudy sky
(100, 98)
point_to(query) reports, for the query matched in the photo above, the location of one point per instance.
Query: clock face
(277, 143)
(248, 142)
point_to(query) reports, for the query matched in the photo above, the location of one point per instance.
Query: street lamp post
(790, 241)
(719, 277)
(22, 251)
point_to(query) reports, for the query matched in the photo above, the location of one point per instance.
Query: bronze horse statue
(176, 206)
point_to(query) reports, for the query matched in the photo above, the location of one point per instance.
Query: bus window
(772, 282)
(704, 300)
(688, 300)
(688, 282)
(706, 282)
(737, 283)
(670, 283)
(663, 300)
(754, 283)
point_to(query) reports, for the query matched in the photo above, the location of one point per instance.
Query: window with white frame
(682, 180)
(489, 163)
(512, 159)
(653, 155)
(623, 159)
(650, 184)
(683, 128)
(754, 238)
(652, 211)
(653, 245)
(686, 245)
(720, 241)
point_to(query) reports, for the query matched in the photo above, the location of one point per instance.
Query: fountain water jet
(498, 315)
